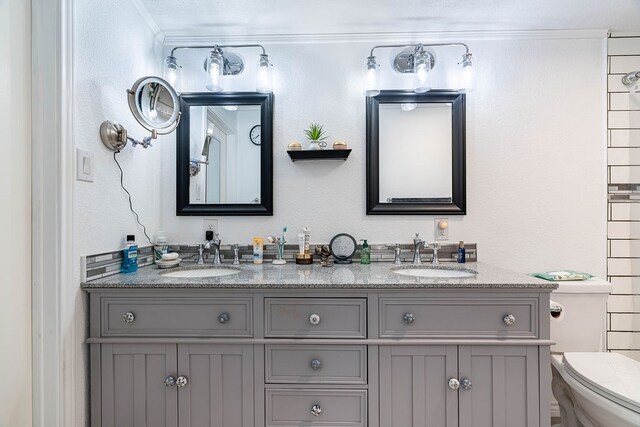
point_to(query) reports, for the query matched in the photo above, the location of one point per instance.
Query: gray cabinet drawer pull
(408, 318)
(169, 381)
(128, 317)
(224, 318)
(465, 384)
(316, 410)
(316, 364)
(181, 381)
(509, 319)
(454, 384)
(314, 319)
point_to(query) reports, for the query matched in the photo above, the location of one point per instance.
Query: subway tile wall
(623, 231)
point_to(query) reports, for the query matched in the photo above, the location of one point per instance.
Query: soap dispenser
(365, 254)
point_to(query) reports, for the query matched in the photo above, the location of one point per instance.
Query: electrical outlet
(441, 231)
(210, 225)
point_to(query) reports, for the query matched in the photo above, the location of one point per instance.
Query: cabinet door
(414, 390)
(219, 389)
(133, 389)
(504, 388)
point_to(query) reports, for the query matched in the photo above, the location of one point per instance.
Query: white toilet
(593, 388)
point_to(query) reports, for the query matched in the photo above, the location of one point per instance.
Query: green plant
(315, 132)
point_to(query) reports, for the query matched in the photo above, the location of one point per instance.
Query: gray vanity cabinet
(459, 386)
(319, 358)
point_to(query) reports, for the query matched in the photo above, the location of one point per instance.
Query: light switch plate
(84, 165)
(441, 233)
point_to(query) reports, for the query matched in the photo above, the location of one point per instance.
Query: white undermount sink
(441, 273)
(197, 273)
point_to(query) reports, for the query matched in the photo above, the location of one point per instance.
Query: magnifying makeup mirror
(154, 104)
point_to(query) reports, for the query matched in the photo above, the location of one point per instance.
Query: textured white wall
(536, 198)
(15, 215)
(111, 52)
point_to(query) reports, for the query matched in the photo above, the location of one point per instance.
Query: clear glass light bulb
(468, 73)
(421, 70)
(264, 80)
(215, 66)
(372, 77)
(172, 72)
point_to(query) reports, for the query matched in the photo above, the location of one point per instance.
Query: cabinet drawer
(202, 317)
(295, 407)
(329, 364)
(315, 318)
(459, 317)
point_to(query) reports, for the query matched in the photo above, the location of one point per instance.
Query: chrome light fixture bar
(418, 61)
(220, 63)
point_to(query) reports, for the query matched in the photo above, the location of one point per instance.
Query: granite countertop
(378, 275)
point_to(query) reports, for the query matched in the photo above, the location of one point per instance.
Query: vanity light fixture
(632, 81)
(220, 63)
(418, 61)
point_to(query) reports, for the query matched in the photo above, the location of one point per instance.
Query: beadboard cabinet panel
(220, 388)
(133, 390)
(414, 389)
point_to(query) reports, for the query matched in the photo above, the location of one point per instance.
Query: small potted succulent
(316, 134)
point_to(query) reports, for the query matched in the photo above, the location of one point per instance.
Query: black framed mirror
(416, 153)
(225, 154)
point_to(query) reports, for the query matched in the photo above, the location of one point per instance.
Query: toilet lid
(611, 375)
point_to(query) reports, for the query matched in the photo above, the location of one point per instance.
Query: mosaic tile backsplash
(108, 263)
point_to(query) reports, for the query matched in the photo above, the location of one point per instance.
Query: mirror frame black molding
(458, 131)
(265, 208)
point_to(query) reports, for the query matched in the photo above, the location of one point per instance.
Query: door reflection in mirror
(231, 171)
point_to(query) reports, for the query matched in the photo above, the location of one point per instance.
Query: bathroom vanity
(349, 346)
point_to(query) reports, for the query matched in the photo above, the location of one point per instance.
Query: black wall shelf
(299, 155)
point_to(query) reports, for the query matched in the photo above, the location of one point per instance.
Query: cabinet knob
(454, 384)
(224, 318)
(509, 319)
(316, 410)
(314, 319)
(316, 364)
(181, 381)
(128, 317)
(170, 381)
(466, 383)
(408, 318)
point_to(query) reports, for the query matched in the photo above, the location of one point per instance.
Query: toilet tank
(582, 324)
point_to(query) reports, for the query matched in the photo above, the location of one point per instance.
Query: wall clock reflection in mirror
(254, 134)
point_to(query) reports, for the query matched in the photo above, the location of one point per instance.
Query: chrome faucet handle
(436, 247)
(396, 259)
(236, 255)
(200, 260)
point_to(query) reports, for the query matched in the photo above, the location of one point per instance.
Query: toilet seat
(611, 375)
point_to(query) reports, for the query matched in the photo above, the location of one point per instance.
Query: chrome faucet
(417, 242)
(215, 244)
(435, 260)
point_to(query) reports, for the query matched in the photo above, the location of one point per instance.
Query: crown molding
(148, 19)
(388, 37)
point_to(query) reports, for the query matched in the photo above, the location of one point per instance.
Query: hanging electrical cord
(144, 229)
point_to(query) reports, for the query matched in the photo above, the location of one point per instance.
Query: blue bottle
(130, 255)
(461, 253)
